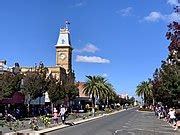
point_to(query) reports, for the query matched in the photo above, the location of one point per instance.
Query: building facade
(62, 70)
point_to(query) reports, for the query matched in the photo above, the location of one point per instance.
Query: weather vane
(67, 23)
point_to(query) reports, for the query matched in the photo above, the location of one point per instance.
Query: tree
(106, 88)
(165, 85)
(71, 91)
(94, 87)
(34, 82)
(97, 87)
(31, 85)
(10, 84)
(173, 35)
(144, 90)
(55, 90)
(172, 80)
(157, 86)
(110, 93)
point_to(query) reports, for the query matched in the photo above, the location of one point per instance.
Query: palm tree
(96, 86)
(91, 88)
(105, 87)
(144, 90)
(110, 92)
(112, 95)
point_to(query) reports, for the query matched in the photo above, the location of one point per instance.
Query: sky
(122, 40)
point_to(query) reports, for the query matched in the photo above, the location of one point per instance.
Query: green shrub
(145, 109)
(2, 123)
(13, 125)
(45, 120)
(108, 110)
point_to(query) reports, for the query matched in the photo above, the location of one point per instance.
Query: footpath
(42, 130)
(145, 123)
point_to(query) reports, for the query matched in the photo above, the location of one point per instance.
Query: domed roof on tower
(64, 36)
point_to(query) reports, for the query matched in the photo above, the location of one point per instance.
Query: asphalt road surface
(128, 122)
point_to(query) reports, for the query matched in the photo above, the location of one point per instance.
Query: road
(129, 122)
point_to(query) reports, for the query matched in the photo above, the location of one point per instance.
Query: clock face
(62, 56)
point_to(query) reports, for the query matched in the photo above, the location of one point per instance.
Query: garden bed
(145, 109)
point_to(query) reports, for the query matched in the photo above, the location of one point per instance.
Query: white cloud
(88, 48)
(125, 12)
(172, 2)
(154, 16)
(91, 59)
(77, 5)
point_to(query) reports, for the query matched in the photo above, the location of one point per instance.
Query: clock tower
(64, 49)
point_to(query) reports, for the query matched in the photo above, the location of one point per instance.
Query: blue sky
(123, 40)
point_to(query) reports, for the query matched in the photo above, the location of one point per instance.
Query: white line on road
(115, 132)
(125, 126)
(131, 133)
(123, 130)
(127, 123)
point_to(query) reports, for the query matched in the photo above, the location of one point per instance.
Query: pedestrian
(55, 116)
(159, 112)
(172, 116)
(62, 113)
(18, 115)
(156, 111)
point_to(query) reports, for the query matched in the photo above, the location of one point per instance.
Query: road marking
(115, 132)
(151, 130)
(125, 126)
(131, 133)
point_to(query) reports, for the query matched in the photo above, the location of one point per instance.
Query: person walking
(62, 113)
(17, 113)
(55, 116)
(172, 116)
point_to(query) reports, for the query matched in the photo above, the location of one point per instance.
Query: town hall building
(62, 71)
